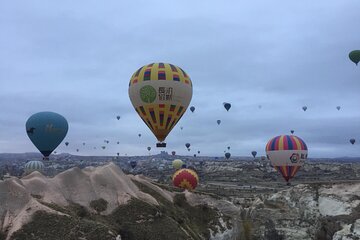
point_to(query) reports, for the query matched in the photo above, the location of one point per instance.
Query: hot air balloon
(227, 106)
(194, 155)
(287, 154)
(118, 117)
(338, 108)
(118, 142)
(103, 147)
(173, 153)
(254, 153)
(46, 131)
(355, 56)
(192, 108)
(228, 147)
(218, 122)
(118, 154)
(185, 179)
(198, 152)
(66, 143)
(83, 144)
(77, 150)
(352, 140)
(189, 149)
(139, 135)
(227, 155)
(181, 128)
(34, 166)
(160, 94)
(304, 108)
(148, 148)
(187, 145)
(133, 164)
(292, 131)
(177, 163)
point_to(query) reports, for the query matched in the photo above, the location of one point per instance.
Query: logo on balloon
(294, 157)
(148, 94)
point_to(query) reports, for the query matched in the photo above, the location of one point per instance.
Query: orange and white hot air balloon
(185, 178)
(160, 94)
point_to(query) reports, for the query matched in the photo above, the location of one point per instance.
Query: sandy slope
(17, 202)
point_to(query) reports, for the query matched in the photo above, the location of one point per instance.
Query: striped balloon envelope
(287, 154)
(34, 166)
(160, 94)
(185, 179)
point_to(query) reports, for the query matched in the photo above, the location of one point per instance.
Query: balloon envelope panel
(46, 130)
(160, 94)
(177, 163)
(34, 166)
(186, 179)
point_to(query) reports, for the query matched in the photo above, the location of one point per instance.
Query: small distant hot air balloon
(139, 135)
(352, 140)
(228, 147)
(103, 147)
(173, 153)
(160, 94)
(118, 142)
(194, 155)
(118, 117)
(66, 143)
(198, 152)
(181, 128)
(227, 106)
(355, 56)
(34, 166)
(46, 131)
(83, 144)
(149, 148)
(118, 154)
(227, 155)
(187, 145)
(192, 108)
(177, 163)
(338, 108)
(189, 149)
(133, 164)
(287, 154)
(292, 131)
(185, 179)
(77, 150)
(218, 122)
(254, 153)
(304, 108)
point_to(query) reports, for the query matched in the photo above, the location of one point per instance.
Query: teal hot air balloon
(355, 56)
(46, 130)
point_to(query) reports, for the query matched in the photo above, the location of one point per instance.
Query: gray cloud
(77, 58)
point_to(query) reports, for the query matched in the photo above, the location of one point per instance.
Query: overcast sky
(76, 58)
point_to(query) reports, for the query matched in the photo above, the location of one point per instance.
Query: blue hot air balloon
(46, 131)
(227, 106)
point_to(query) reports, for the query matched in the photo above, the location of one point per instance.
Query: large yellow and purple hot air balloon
(287, 154)
(185, 179)
(160, 94)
